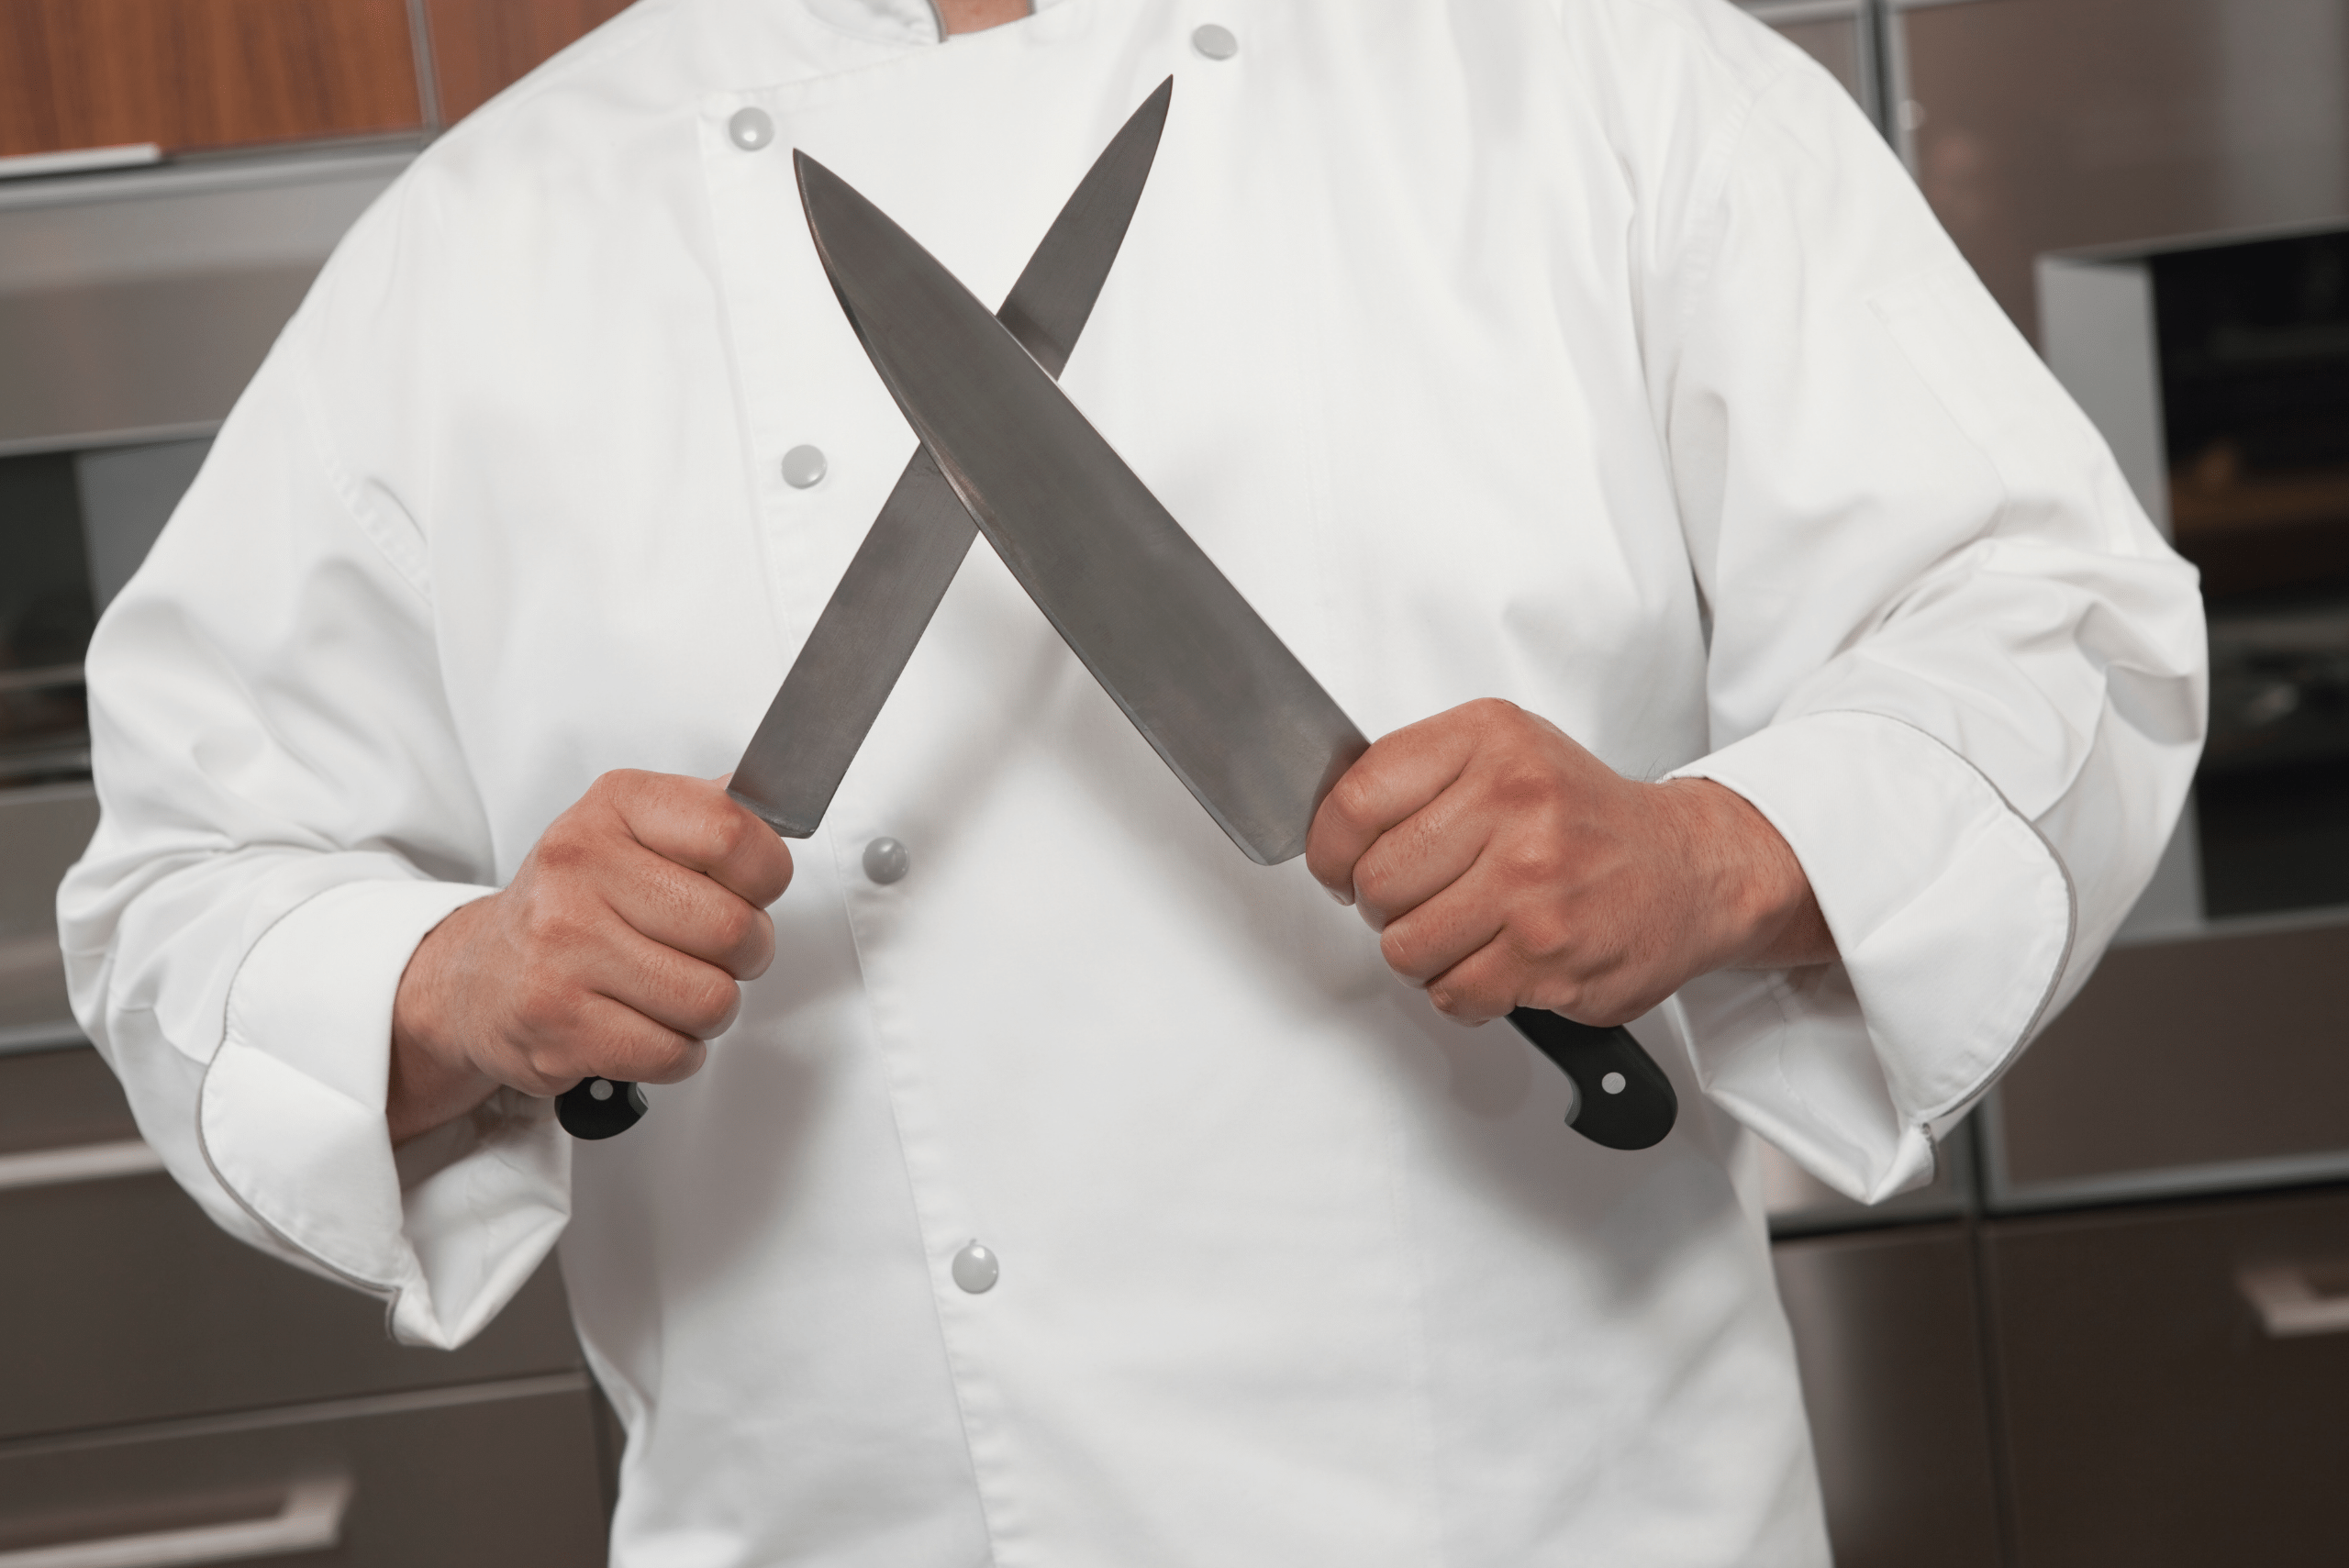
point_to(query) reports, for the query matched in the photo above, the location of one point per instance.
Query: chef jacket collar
(892, 21)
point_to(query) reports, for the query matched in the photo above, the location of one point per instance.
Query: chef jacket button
(804, 467)
(749, 129)
(976, 1269)
(1215, 43)
(884, 862)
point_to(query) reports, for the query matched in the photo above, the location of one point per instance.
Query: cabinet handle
(76, 1163)
(310, 1519)
(2288, 1303)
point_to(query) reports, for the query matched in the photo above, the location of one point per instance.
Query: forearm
(432, 1080)
(1760, 903)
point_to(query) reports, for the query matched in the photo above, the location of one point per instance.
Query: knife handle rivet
(750, 129)
(1215, 42)
(804, 467)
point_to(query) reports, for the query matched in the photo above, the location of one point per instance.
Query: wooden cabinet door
(187, 74)
(481, 46)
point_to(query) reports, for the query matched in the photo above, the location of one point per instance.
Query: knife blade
(859, 645)
(1213, 688)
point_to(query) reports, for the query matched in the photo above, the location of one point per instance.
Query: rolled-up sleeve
(1951, 660)
(287, 813)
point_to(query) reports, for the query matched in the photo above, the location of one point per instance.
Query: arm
(615, 951)
(1505, 866)
(1953, 671)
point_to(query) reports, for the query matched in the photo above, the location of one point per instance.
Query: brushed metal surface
(1889, 1343)
(2149, 1418)
(459, 1482)
(1242, 723)
(125, 1304)
(2215, 1061)
(43, 830)
(2050, 125)
(1211, 687)
(141, 303)
(860, 643)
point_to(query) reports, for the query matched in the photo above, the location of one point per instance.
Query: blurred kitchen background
(2115, 1330)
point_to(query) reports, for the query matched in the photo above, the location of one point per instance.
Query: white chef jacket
(1590, 353)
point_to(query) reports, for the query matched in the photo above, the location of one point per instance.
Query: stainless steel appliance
(171, 1395)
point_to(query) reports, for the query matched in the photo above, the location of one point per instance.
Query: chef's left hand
(1505, 866)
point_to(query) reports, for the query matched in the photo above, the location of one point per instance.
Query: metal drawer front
(2155, 1413)
(42, 832)
(2186, 1066)
(1890, 1347)
(125, 1304)
(495, 1477)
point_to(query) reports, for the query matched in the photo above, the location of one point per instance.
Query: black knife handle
(1622, 1097)
(585, 1112)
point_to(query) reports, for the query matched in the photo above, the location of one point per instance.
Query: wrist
(433, 1079)
(1754, 900)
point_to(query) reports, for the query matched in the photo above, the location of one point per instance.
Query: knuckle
(730, 831)
(710, 1004)
(732, 925)
(1352, 799)
(674, 1058)
(1536, 860)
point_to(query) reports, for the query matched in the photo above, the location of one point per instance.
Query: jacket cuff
(291, 1118)
(1952, 918)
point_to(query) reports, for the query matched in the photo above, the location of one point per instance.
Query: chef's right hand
(617, 949)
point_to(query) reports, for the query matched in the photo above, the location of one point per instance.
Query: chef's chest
(1410, 424)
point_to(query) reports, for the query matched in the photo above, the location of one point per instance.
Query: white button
(749, 129)
(804, 466)
(975, 1269)
(599, 1088)
(885, 860)
(1614, 1083)
(1215, 43)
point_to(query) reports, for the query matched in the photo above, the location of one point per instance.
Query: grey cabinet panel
(2150, 1418)
(2222, 1059)
(59, 1098)
(43, 830)
(125, 1304)
(2048, 124)
(1890, 1347)
(492, 1483)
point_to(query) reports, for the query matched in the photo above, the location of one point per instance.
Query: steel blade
(1240, 721)
(860, 644)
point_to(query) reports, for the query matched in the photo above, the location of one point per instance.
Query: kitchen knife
(1210, 686)
(877, 613)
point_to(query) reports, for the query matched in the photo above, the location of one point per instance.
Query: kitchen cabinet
(191, 74)
(202, 75)
(135, 1282)
(1840, 34)
(466, 1478)
(2172, 1382)
(480, 46)
(2218, 1060)
(162, 1377)
(1889, 1339)
(2049, 124)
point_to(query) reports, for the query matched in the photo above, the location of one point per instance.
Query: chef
(1768, 655)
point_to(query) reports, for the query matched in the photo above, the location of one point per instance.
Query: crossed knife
(1003, 452)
